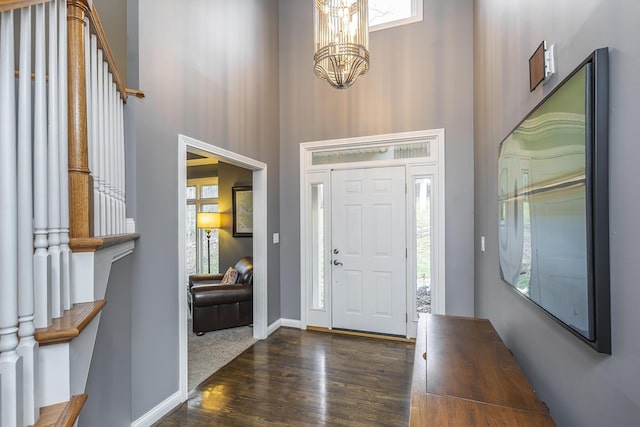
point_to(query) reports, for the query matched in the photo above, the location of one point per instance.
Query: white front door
(369, 250)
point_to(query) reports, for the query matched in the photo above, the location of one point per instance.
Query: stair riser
(64, 367)
(82, 275)
(54, 385)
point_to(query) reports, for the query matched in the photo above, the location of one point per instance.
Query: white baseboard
(291, 323)
(287, 323)
(274, 327)
(159, 411)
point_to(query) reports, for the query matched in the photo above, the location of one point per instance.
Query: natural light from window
(390, 13)
(202, 196)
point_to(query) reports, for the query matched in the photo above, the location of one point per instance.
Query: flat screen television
(553, 204)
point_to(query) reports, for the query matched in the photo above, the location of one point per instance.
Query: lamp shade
(208, 220)
(341, 35)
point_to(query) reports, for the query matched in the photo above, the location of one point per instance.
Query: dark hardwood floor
(306, 378)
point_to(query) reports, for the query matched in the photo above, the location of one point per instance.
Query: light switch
(276, 238)
(482, 248)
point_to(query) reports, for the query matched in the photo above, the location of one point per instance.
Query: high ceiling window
(391, 13)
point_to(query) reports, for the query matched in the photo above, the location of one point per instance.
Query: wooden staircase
(63, 414)
(70, 325)
(63, 222)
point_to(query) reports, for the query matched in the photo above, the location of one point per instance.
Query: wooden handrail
(97, 29)
(135, 92)
(7, 5)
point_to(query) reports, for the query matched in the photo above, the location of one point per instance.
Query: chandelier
(341, 35)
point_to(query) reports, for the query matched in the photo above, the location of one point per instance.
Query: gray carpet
(213, 350)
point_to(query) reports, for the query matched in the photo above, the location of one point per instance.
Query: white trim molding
(433, 160)
(260, 243)
(286, 323)
(291, 323)
(159, 411)
(274, 327)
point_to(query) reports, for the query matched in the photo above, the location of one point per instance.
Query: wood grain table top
(464, 375)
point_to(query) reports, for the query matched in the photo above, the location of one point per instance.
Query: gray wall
(209, 69)
(231, 248)
(113, 16)
(581, 387)
(109, 382)
(420, 78)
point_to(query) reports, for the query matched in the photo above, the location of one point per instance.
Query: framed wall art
(242, 211)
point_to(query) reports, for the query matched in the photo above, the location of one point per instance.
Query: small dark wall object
(537, 67)
(242, 211)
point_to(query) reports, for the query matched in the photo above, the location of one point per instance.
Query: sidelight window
(422, 193)
(317, 243)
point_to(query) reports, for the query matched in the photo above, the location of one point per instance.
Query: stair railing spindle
(54, 167)
(40, 186)
(114, 139)
(94, 143)
(10, 361)
(65, 253)
(121, 162)
(28, 347)
(102, 144)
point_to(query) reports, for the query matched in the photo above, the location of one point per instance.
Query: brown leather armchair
(215, 306)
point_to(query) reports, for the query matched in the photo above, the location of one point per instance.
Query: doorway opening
(258, 173)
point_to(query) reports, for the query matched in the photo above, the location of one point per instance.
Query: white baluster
(116, 160)
(63, 145)
(102, 141)
(41, 204)
(94, 144)
(54, 168)
(114, 143)
(100, 146)
(28, 347)
(107, 144)
(116, 126)
(121, 163)
(10, 361)
(108, 131)
(111, 134)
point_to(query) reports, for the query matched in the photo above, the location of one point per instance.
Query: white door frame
(260, 246)
(314, 174)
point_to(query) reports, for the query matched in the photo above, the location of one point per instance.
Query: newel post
(80, 180)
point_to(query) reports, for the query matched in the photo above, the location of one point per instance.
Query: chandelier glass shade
(341, 36)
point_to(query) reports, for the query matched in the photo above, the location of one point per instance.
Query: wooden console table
(469, 378)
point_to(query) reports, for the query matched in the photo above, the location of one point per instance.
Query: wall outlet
(276, 238)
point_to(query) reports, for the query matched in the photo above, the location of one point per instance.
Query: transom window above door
(392, 13)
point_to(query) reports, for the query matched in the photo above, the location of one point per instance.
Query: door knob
(336, 262)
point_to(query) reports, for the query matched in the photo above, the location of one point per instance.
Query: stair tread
(92, 244)
(70, 325)
(116, 239)
(62, 414)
